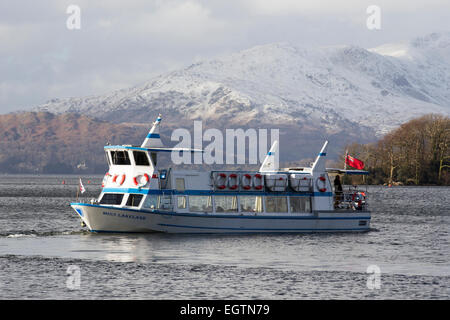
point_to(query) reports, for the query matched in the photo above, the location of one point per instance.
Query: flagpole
(345, 159)
(78, 189)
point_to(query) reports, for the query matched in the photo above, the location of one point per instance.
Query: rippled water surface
(41, 241)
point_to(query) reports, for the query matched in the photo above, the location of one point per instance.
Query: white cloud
(123, 43)
(344, 7)
(182, 21)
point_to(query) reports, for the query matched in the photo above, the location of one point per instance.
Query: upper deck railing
(352, 199)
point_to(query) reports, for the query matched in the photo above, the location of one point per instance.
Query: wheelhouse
(128, 156)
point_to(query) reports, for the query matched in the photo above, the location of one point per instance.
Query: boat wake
(33, 233)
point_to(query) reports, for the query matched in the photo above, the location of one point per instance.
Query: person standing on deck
(337, 190)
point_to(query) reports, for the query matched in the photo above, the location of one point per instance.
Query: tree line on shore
(416, 153)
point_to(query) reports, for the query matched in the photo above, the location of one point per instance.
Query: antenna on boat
(319, 164)
(153, 138)
(270, 163)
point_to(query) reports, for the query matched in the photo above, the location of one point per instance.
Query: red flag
(355, 163)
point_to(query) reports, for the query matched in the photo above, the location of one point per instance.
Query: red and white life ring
(257, 185)
(357, 199)
(359, 195)
(221, 181)
(321, 184)
(119, 181)
(246, 181)
(233, 181)
(105, 179)
(141, 180)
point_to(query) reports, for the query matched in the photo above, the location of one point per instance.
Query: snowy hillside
(328, 90)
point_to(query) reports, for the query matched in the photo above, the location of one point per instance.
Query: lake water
(46, 254)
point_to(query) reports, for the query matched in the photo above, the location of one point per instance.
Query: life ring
(138, 182)
(360, 195)
(246, 181)
(357, 198)
(231, 185)
(221, 181)
(121, 181)
(321, 184)
(105, 179)
(255, 185)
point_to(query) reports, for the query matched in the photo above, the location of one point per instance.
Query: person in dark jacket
(338, 189)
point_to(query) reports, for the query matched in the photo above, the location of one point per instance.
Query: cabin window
(251, 204)
(276, 204)
(140, 158)
(300, 204)
(165, 202)
(112, 198)
(107, 159)
(151, 202)
(181, 202)
(226, 203)
(120, 158)
(179, 184)
(154, 157)
(134, 200)
(200, 203)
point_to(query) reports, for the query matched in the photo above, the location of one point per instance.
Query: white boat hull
(100, 218)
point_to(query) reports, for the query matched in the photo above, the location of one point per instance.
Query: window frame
(184, 200)
(176, 184)
(115, 152)
(307, 203)
(277, 204)
(108, 159)
(209, 199)
(110, 203)
(236, 210)
(261, 210)
(133, 195)
(146, 158)
(155, 200)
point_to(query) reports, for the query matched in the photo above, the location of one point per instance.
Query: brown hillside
(46, 143)
(43, 142)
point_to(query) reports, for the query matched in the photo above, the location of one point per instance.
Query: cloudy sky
(124, 43)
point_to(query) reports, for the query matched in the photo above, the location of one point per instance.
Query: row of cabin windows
(134, 200)
(246, 204)
(122, 158)
(222, 203)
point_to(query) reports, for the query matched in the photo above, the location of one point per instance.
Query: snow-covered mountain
(323, 91)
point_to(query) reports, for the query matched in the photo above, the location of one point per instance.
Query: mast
(153, 138)
(319, 164)
(78, 189)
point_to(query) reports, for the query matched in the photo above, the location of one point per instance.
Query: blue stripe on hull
(264, 229)
(244, 231)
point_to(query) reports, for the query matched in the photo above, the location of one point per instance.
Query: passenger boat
(138, 196)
